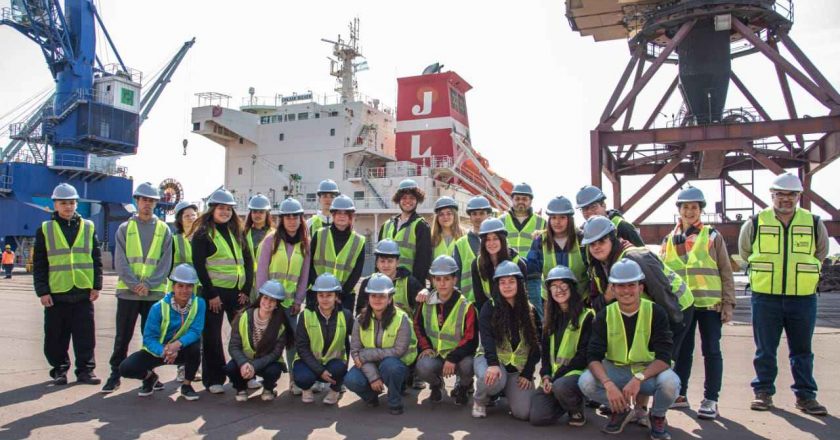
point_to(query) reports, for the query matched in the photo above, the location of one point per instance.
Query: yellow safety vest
(255, 250)
(697, 268)
(143, 266)
(444, 249)
(287, 269)
(69, 266)
(326, 261)
(485, 284)
(467, 256)
(446, 338)
(401, 295)
(226, 266)
(316, 336)
(182, 254)
(561, 355)
(517, 358)
(406, 238)
(389, 336)
(639, 356)
(245, 335)
(521, 239)
(576, 264)
(165, 311)
(783, 260)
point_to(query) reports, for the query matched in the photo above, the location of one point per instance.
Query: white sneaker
(708, 410)
(216, 389)
(640, 417)
(319, 387)
(241, 396)
(296, 391)
(479, 411)
(307, 396)
(254, 383)
(182, 373)
(332, 397)
(268, 395)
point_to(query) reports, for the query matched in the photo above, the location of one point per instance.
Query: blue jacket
(534, 261)
(151, 333)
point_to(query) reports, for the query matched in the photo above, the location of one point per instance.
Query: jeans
(139, 364)
(797, 316)
(304, 377)
(664, 387)
(565, 396)
(710, 333)
(518, 399)
(270, 374)
(534, 287)
(8, 269)
(392, 371)
(127, 312)
(430, 370)
(291, 351)
(63, 321)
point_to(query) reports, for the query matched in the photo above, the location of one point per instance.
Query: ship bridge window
(332, 164)
(332, 132)
(265, 119)
(196, 126)
(310, 197)
(333, 113)
(240, 171)
(276, 118)
(290, 117)
(302, 116)
(317, 115)
(280, 136)
(358, 195)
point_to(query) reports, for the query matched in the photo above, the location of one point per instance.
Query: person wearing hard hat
(8, 261)
(493, 251)
(185, 215)
(446, 228)
(257, 227)
(447, 334)
(698, 253)
(408, 290)
(410, 230)
(327, 191)
(223, 261)
(258, 336)
(339, 250)
(510, 347)
(565, 337)
(558, 244)
(382, 347)
(322, 340)
(629, 354)
(784, 246)
(467, 247)
(67, 275)
(521, 224)
(143, 260)
(592, 202)
(171, 335)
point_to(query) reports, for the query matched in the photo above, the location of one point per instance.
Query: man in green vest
(142, 259)
(629, 354)
(467, 247)
(521, 223)
(67, 273)
(784, 246)
(327, 191)
(592, 201)
(410, 230)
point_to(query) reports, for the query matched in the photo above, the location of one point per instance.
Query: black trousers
(127, 313)
(63, 321)
(269, 374)
(139, 364)
(213, 356)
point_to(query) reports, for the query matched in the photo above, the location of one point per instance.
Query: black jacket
(578, 362)
(413, 288)
(488, 341)
(347, 297)
(478, 289)
(328, 328)
(41, 264)
(661, 338)
(423, 254)
(203, 248)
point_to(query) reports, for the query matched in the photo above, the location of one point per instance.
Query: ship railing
(115, 69)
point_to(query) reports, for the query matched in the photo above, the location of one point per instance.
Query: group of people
(607, 322)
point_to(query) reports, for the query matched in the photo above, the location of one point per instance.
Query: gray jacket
(123, 268)
(370, 357)
(235, 344)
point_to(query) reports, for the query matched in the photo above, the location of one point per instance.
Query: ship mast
(343, 66)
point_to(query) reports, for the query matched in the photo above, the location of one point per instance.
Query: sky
(539, 87)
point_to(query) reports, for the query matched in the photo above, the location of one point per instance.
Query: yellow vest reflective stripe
(444, 249)
(679, 287)
(639, 355)
(616, 219)
(697, 268)
(521, 239)
(326, 261)
(445, 339)
(562, 355)
(467, 256)
(316, 336)
(406, 238)
(401, 295)
(517, 358)
(783, 261)
(143, 266)
(389, 336)
(226, 266)
(165, 311)
(245, 335)
(576, 264)
(69, 266)
(287, 269)
(255, 250)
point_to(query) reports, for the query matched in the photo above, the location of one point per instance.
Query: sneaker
(437, 394)
(216, 389)
(158, 386)
(268, 395)
(60, 379)
(188, 393)
(254, 384)
(640, 417)
(372, 403)
(479, 411)
(418, 384)
(460, 395)
(296, 391)
(577, 418)
(395, 410)
(332, 397)
(87, 379)
(762, 402)
(319, 387)
(493, 400)
(111, 385)
(811, 406)
(708, 410)
(659, 428)
(307, 396)
(181, 376)
(604, 410)
(148, 386)
(617, 422)
(197, 377)
(681, 402)
(592, 404)
(241, 396)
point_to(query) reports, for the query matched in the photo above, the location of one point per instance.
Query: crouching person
(447, 334)
(629, 354)
(257, 339)
(383, 347)
(171, 335)
(322, 342)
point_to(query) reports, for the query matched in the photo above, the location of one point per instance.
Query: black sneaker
(159, 386)
(437, 394)
(592, 404)
(604, 410)
(88, 379)
(188, 393)
(460, 395)
(617, 422)
(60, 379)
(111, 385)
(811, 406)
(148, 386)
(762, 402)
(659, 428)
(577, 418)
(372, 403)
(395, 410)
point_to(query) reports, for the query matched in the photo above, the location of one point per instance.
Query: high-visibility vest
(245, 336)
(287, 269)
(401, 295)
(69, 266)
(165, 311)
(8, 258)
(561, 355)
(521, 239)
(336, 349)
(446, 338)
(576, 264)
(697, 268)
(444, 249)
(326, 261)
(639, 355)
(143, 266)
(226, 266)
(255, 249)
(182, 254)
(389, 336)
(406, 238)
(783, 261)
(516, 358)
(467, 256)
(316, 224)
